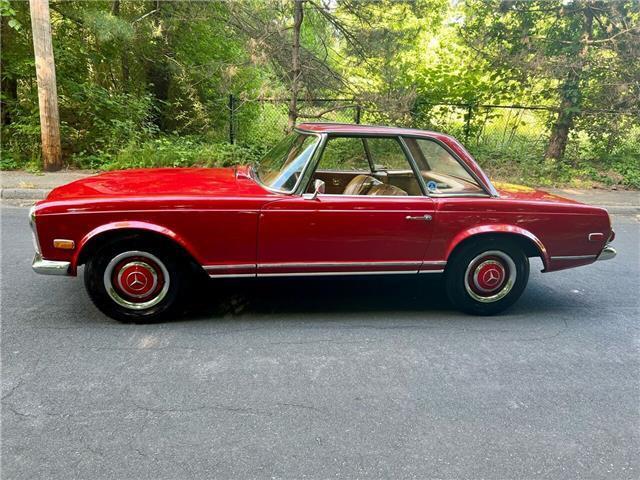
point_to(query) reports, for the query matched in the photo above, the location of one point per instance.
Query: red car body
(231, 225)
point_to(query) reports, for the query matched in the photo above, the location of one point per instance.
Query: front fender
(128, 225)
(499, 229)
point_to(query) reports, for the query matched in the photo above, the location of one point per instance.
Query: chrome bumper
(608, 252)
(49, 267)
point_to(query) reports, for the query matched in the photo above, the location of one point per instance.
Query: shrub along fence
(509, 139)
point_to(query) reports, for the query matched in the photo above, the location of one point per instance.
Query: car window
(374, 166)
(344, 153)
(387, 154)
(442, 172)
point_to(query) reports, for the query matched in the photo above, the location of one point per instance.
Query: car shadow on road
(319, 295)
(348, 295)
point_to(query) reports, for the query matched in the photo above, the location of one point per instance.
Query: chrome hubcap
(136, 280)
(490, 276)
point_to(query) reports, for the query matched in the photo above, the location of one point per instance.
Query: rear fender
(501, 230)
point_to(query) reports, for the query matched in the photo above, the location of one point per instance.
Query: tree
(299, 40)
(47, 89)
(563, 46)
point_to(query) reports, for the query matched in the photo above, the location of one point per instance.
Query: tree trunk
(570, 95)
(124, 61)
(47, 90)
(560, 130)
(296, 72)
(158, 70)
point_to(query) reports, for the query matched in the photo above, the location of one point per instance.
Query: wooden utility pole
(296, 71)
(47, 91)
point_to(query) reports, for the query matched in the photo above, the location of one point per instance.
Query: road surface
(324, 378)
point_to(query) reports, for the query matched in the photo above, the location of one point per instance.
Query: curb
(622, 209)
(41, 193)
(24, 193)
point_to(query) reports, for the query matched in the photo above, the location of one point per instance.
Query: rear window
(443, 173)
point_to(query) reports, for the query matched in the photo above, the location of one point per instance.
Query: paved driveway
(324, 378)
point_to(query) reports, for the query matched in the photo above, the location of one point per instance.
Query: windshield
(281, 167)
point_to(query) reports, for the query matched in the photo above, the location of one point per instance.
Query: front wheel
(487, 276)
(135, 281)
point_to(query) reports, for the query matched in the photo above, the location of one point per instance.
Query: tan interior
(355, 183)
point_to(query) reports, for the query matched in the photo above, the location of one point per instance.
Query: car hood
(161, 182)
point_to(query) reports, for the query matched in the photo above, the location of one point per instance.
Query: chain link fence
(493, 133)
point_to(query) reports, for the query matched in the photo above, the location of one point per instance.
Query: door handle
(424, 218)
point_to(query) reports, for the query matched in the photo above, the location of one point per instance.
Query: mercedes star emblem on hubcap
(136, 281)
(491, 277)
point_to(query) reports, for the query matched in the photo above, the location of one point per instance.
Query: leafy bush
(171, 151)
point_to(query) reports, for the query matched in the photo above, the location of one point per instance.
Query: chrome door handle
(425, 218)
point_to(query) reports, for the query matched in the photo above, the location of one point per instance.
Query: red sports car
(330, 199)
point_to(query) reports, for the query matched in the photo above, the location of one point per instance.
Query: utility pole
(296, 72)
(47, 91)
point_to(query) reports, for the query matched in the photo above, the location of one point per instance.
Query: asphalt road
(324, 378)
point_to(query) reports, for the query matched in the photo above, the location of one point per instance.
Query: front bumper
(608, 252)
(49, 267)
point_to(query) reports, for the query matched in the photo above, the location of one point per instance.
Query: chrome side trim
(416, 265)
(573, 257)
(49, 267)
(608, 252)
(320, 274)
(230, 266)
(338, 264)
(231, 275)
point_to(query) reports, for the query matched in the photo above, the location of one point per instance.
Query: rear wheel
(487, 276)
(135, 281)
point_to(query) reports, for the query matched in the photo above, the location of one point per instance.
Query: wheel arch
(110, 232)
(530, 244)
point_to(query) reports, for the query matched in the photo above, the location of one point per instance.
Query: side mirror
(318, 188)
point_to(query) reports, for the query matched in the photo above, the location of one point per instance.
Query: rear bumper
(49, 267)
(608, 252)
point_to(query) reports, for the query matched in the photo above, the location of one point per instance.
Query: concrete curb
(24, 193)
(40, 193)
(622, 209)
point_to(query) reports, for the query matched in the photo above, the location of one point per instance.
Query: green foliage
(147, 83)
(172, 151)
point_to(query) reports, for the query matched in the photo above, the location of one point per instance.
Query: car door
(347, 234)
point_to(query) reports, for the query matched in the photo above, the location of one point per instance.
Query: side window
(387, 154)
(442, 171)
(374, 166)
(344, 154)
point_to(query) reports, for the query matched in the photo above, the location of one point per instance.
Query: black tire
(486, 276)
(145, 262)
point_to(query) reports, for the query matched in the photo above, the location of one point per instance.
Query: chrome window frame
(317, 156)
(463, 164)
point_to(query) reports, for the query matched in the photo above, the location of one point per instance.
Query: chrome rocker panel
(49, 267)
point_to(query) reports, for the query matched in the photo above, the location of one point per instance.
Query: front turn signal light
(64, 244)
